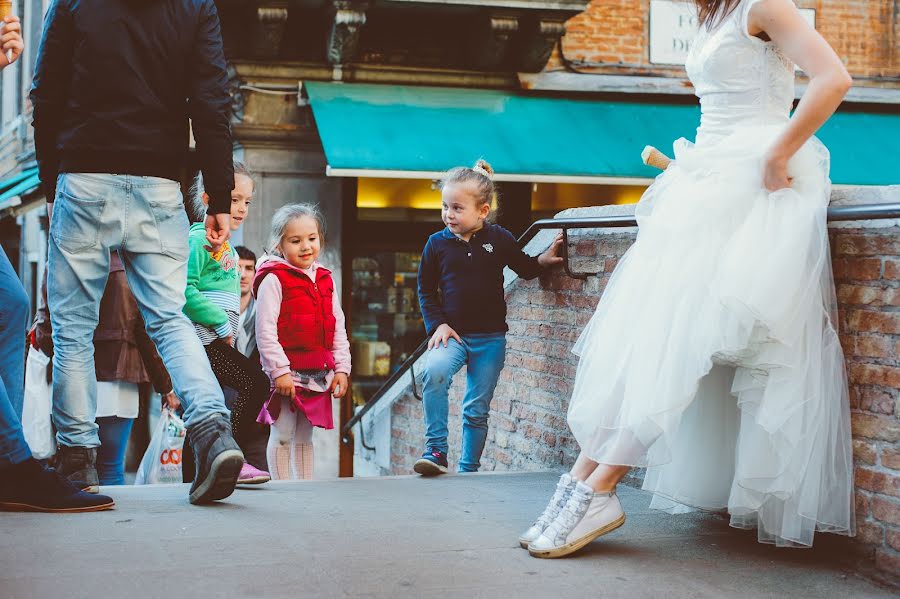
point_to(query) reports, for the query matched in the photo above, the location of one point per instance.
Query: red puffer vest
(306, 322)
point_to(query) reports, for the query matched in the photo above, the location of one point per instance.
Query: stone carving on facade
(269, 31)
(539, 37)
(346, 26)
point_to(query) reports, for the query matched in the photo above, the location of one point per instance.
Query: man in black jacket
(116, 85)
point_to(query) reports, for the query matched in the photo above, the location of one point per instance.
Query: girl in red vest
(301, 338)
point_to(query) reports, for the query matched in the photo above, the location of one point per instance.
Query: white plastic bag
(162, 460)
(36, 407)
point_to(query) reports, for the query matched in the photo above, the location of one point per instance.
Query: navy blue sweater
(461, 283)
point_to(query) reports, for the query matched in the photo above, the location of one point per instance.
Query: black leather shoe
(32, 487)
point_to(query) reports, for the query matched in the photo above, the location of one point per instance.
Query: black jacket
(461, 283)
(115, 83)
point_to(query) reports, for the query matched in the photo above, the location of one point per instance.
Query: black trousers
(246, 389)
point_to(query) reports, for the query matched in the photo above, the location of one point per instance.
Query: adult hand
(171, 401)
(11, 41)
(775, 173)
(551, 254)
(229, 340)
(218, 230)
(443, 335)
(284, 385)
(43, 340)
(339, 384)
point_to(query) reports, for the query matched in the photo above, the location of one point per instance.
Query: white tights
(290, 449)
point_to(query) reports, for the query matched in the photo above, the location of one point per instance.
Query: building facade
(359, 105)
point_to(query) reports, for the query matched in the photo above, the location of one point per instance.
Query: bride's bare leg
(605, 477)
(583, 467)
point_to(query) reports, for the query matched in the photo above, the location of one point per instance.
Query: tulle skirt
(713, 357)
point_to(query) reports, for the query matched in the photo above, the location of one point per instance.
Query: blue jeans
(13, 317)
(144, 219)
(114, 432)
(484, 356)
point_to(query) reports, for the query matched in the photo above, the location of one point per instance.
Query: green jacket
(213, 285)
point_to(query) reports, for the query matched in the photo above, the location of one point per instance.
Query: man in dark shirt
(117, 86)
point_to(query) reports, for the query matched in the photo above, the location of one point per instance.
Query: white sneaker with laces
(586, 516)
(564, 488)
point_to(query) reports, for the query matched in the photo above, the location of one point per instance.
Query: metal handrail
(835, 213)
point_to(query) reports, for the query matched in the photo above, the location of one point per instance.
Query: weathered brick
(875, 374)
(890, 458)
(878, 482)
(891, 269)
(850, 244)
(865, 452)
(875, 346)
(887, 560)
(886, 510)
(870, 426)
(892, 537)
(856, 269)
(877, 400)
(867, 295)
(874, 322)
(863, 505)
(870, 533)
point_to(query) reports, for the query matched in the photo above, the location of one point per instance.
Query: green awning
(406, 131)
(17, 185)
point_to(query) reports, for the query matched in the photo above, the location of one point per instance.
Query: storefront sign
(673, 24)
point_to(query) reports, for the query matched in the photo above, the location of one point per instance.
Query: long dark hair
(711, 12)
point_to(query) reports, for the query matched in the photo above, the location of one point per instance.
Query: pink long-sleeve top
(268, 307)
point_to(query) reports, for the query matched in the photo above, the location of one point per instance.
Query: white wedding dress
(713, 357)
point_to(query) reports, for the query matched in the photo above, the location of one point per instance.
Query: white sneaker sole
(429, 468)
(577, 544)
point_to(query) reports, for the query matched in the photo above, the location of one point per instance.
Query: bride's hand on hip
(775, 173)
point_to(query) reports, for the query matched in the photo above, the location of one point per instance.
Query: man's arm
(209, 106)
(49, 90)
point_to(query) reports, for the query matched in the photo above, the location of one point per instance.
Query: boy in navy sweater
(461, 295)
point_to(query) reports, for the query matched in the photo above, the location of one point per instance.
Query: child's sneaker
(252, 476)
(564, 489)
(433, 461)
(586, 516)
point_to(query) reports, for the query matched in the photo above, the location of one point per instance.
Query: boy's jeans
(13, 317)
(144, 219)
(484, 355)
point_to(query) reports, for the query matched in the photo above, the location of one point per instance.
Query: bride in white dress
(713, 357)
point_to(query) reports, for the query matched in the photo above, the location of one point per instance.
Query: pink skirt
(315, 405)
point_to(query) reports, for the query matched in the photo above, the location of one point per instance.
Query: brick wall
(867, 275)
(527, 424)
(615, 33)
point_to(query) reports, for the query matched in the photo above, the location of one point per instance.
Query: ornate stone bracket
(346, 26)
(539, 36)
(492, 40)
(269, 30)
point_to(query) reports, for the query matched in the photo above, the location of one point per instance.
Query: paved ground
(392, 537)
